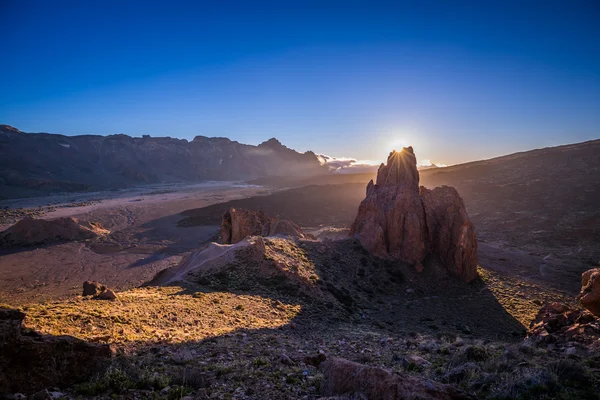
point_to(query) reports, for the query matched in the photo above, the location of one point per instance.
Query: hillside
(35, 164)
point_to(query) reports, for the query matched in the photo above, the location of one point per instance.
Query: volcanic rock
(559, 324)
(589, 297)
(238, 223)
(30, 231)
(98, 291)
(31, 362)
(344, 377)
(92, 288)
(450, 233)
(399, 221)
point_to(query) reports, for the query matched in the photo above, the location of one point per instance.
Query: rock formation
(346, 378)
(29, 231)
(450, 234)
(31, 361)
(98, 291)
(238, 224)
(589, 297)
(399, 221)
(561, 325)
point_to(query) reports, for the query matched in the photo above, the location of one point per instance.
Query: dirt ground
(144, 240)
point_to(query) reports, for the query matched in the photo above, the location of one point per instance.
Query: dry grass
(153, 314)
(520, 298)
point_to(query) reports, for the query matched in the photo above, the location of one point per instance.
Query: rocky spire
(398, 221)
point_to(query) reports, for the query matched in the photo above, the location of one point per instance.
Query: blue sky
(457, 80)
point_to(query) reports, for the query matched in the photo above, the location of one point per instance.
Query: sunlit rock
(399, 221)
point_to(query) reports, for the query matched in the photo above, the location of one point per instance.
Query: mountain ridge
(39, 163)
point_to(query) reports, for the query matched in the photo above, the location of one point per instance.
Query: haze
(467, 82)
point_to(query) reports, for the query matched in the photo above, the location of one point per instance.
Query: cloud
(426, 164)
(346, 165)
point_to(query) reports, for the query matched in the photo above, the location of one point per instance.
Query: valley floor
(211, 342)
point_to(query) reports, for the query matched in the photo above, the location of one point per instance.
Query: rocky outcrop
(98, 291)
(31, 362)
(346, 378)
(30, 231)
(35, 164)
(560, 325)
(589, 296)
(450, 233)
(399, 221)
(238, 223)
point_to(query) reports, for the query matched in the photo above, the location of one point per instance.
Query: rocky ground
(143, 239)
(251, 327)
(235, 334)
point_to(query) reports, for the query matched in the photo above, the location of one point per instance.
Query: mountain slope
(548, 194)
(36, 163)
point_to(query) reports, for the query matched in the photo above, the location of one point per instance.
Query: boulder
(561, 325)
(107, 294)
(30, 231)
(285, 228)
(589, 296)
(92, 288)
(31, 362)
(238, 223)
(346, 378)
(98, 291)
(400, 221)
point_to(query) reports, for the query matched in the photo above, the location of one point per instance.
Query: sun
(399, 143)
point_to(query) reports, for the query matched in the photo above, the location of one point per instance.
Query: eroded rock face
(31, 362)
(391, 220)
(399, 221)
(450, 233)
(30, 231)
(238, 223)
(589, 297)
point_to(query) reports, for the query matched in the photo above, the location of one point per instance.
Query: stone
(400, 221)
(238, 223)
(32, 362)
(589, 296)
(107, 294)
(30, 231)
(347, 378)
(562, 326)
(92, 288)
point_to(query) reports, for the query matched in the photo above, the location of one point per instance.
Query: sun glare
(399, 143)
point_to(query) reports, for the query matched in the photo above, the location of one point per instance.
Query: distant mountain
(38, 163)
(550, 194)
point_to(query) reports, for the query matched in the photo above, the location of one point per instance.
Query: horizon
(342, 165)
(470, 82)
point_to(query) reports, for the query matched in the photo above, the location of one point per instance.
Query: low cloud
(345, 165)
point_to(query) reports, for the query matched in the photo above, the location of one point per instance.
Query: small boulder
(589, 296)
(92, 288)
(98, 291)
(108, 294)
(346, 378)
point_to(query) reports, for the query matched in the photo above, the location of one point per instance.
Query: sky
(457, 80)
